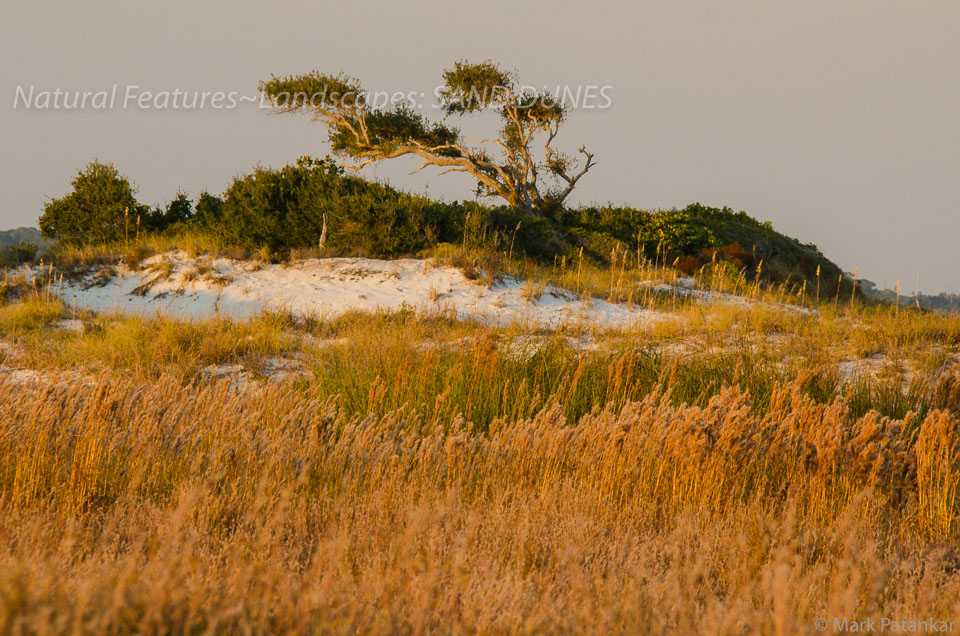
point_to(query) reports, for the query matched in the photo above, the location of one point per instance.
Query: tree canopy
(95, 211)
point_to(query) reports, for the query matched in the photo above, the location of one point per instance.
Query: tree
(505, 166)
(208, 211)
(290, 207)
(177, 211)
(96, 210)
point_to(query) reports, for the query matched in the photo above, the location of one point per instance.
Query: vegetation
(287, 208)
(739, 468)
(102, 208)
(715, 474)
(21, 245)
(278, 213)
(17, 253)
(366, 133)
(97, 210)
(21, 235)
(944, 301)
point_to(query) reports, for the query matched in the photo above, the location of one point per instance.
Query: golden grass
(710, 474)
(627, 279)
(171, 508)
(133, 252)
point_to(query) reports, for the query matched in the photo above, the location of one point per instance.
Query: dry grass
(74, 260)
(712, 474)
(627, 279)
(173, 508)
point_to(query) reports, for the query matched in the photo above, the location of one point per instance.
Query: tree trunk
(323, 233)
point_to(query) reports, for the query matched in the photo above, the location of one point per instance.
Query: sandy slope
(330, 287)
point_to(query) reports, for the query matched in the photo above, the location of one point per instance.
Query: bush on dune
(284, 209)
(97, 210)
(278, 210)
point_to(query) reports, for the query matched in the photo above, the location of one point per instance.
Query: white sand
(330, 287)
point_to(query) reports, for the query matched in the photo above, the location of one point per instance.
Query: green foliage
(696, 235)
(471, 86)
(180, 210)
(784, 258)
(674, 232)
(95, 211)
(283, 209)
(208, 212)
(18, 253)
(507, 230)
(343, 95)
(389, 129)
(313, 89)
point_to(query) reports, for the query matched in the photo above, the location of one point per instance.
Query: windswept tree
(507, 166)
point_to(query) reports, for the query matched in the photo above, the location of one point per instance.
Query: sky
(836, 120)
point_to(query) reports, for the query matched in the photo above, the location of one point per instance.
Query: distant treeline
(22, 235)
(21, 245)
(939, 302)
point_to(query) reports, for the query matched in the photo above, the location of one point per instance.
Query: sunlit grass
(738, 468)
(173, 507)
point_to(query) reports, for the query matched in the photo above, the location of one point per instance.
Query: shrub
(18, 253)
(276, 211)
(177, 211)
(96, 211)
(674, 233)
(520, 234)
(208, 211)
(733, 255)
(283, 209)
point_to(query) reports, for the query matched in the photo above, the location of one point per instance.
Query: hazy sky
(837, 120)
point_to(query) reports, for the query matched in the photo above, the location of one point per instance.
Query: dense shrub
(177, 211)
(286, 209)
(505, 230)
(283, 209)
(733, 255)
(672, 233)
(697, 235)
(208, 211)
(98, 210)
